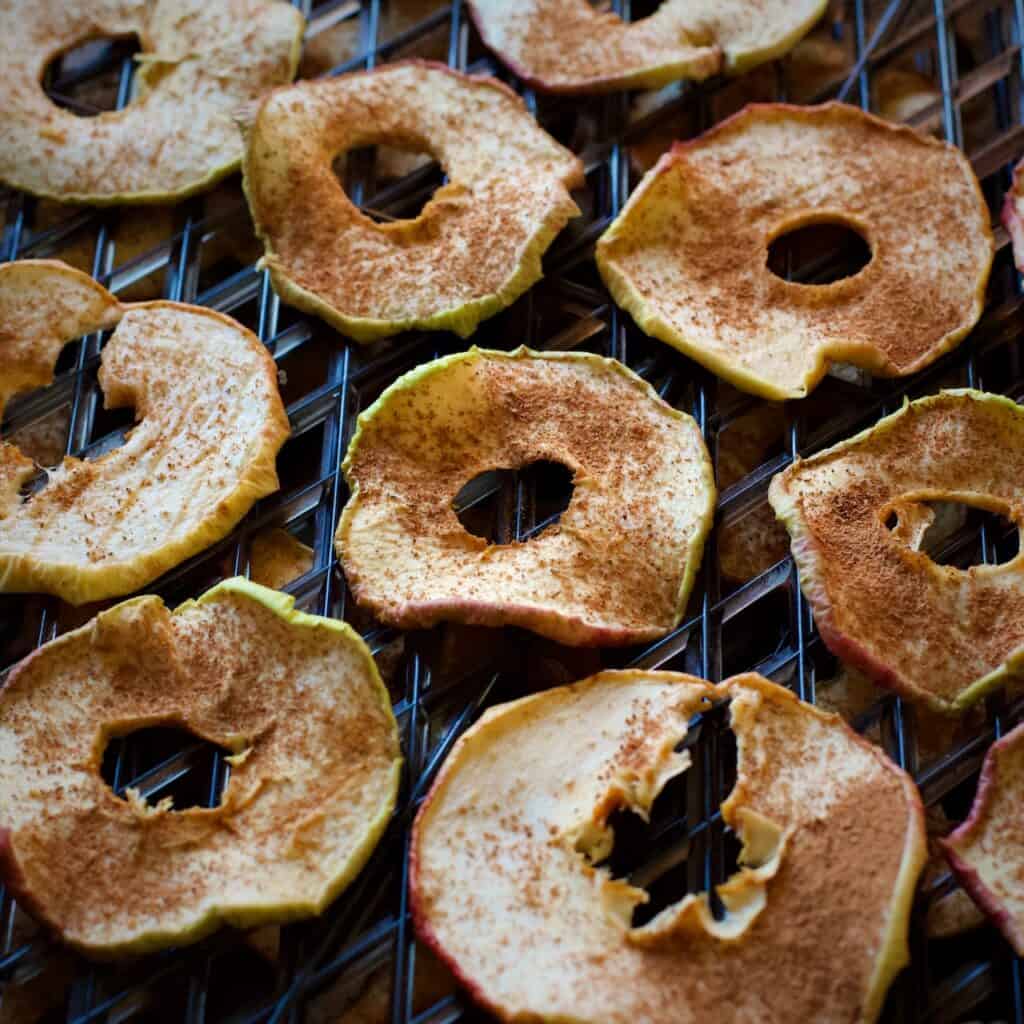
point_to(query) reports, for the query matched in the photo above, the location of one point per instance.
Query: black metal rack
(970, 49)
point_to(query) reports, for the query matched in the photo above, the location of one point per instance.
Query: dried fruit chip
(985, 851)
(687, 257)
(210, 423)
(568, 46)
(814, 66)
(296, 697)
(277, 558)
(475, 247)
(1013, 215)
(200, 61)
(504, 886)
(618, 566)
(901, 94)
(933, 632)
(43, 304)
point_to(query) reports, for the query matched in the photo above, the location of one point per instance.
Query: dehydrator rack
(202, 251)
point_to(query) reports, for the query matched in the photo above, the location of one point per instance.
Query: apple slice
(616, 568)
(200, 61)
(1013, 215)
(475, 247)
(934, 633)
(507, 885)
(567, 46)
(688, 256)
(210, 424)
(985, 851)
(314, 772)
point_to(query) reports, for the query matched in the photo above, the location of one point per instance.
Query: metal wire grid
(762, 624)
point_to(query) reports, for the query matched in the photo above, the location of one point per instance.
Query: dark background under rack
(202, 251)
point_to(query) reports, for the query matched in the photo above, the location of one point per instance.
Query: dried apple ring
(567, 46)
(688, 256)
(934, 633)
(314, 770)
(200, 61)
(505, 889)
(475, 247)
(210, 424)
(985, 851)
(617, 568)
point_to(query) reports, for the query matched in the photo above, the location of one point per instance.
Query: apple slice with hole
(509, 884)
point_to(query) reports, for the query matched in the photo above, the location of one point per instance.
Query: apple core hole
(685, 847)
(388, 183)
(499, 504)
(86, 78)
(638, 9)
(954, 536)
(819, 253)
(109, 430)
(45, 440)
(166, 761)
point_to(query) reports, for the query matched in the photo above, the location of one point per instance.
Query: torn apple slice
(688, 256)
(616, 568)
(314, 771)
(506, 884)
(934, 633)
(567, 46)
(209, 425)
(200, 61)
(478, 242)
(985, 851)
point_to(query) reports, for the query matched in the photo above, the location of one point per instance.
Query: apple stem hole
(956, 533)
(388, 183)
(166, 761)
(685, 847)
(819, 253)
(86, 78)
(495, 504)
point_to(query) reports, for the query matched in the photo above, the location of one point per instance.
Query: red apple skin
(844, 647)
(1012, 220)
(968, 876)
(564, 629)
(424, 930)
